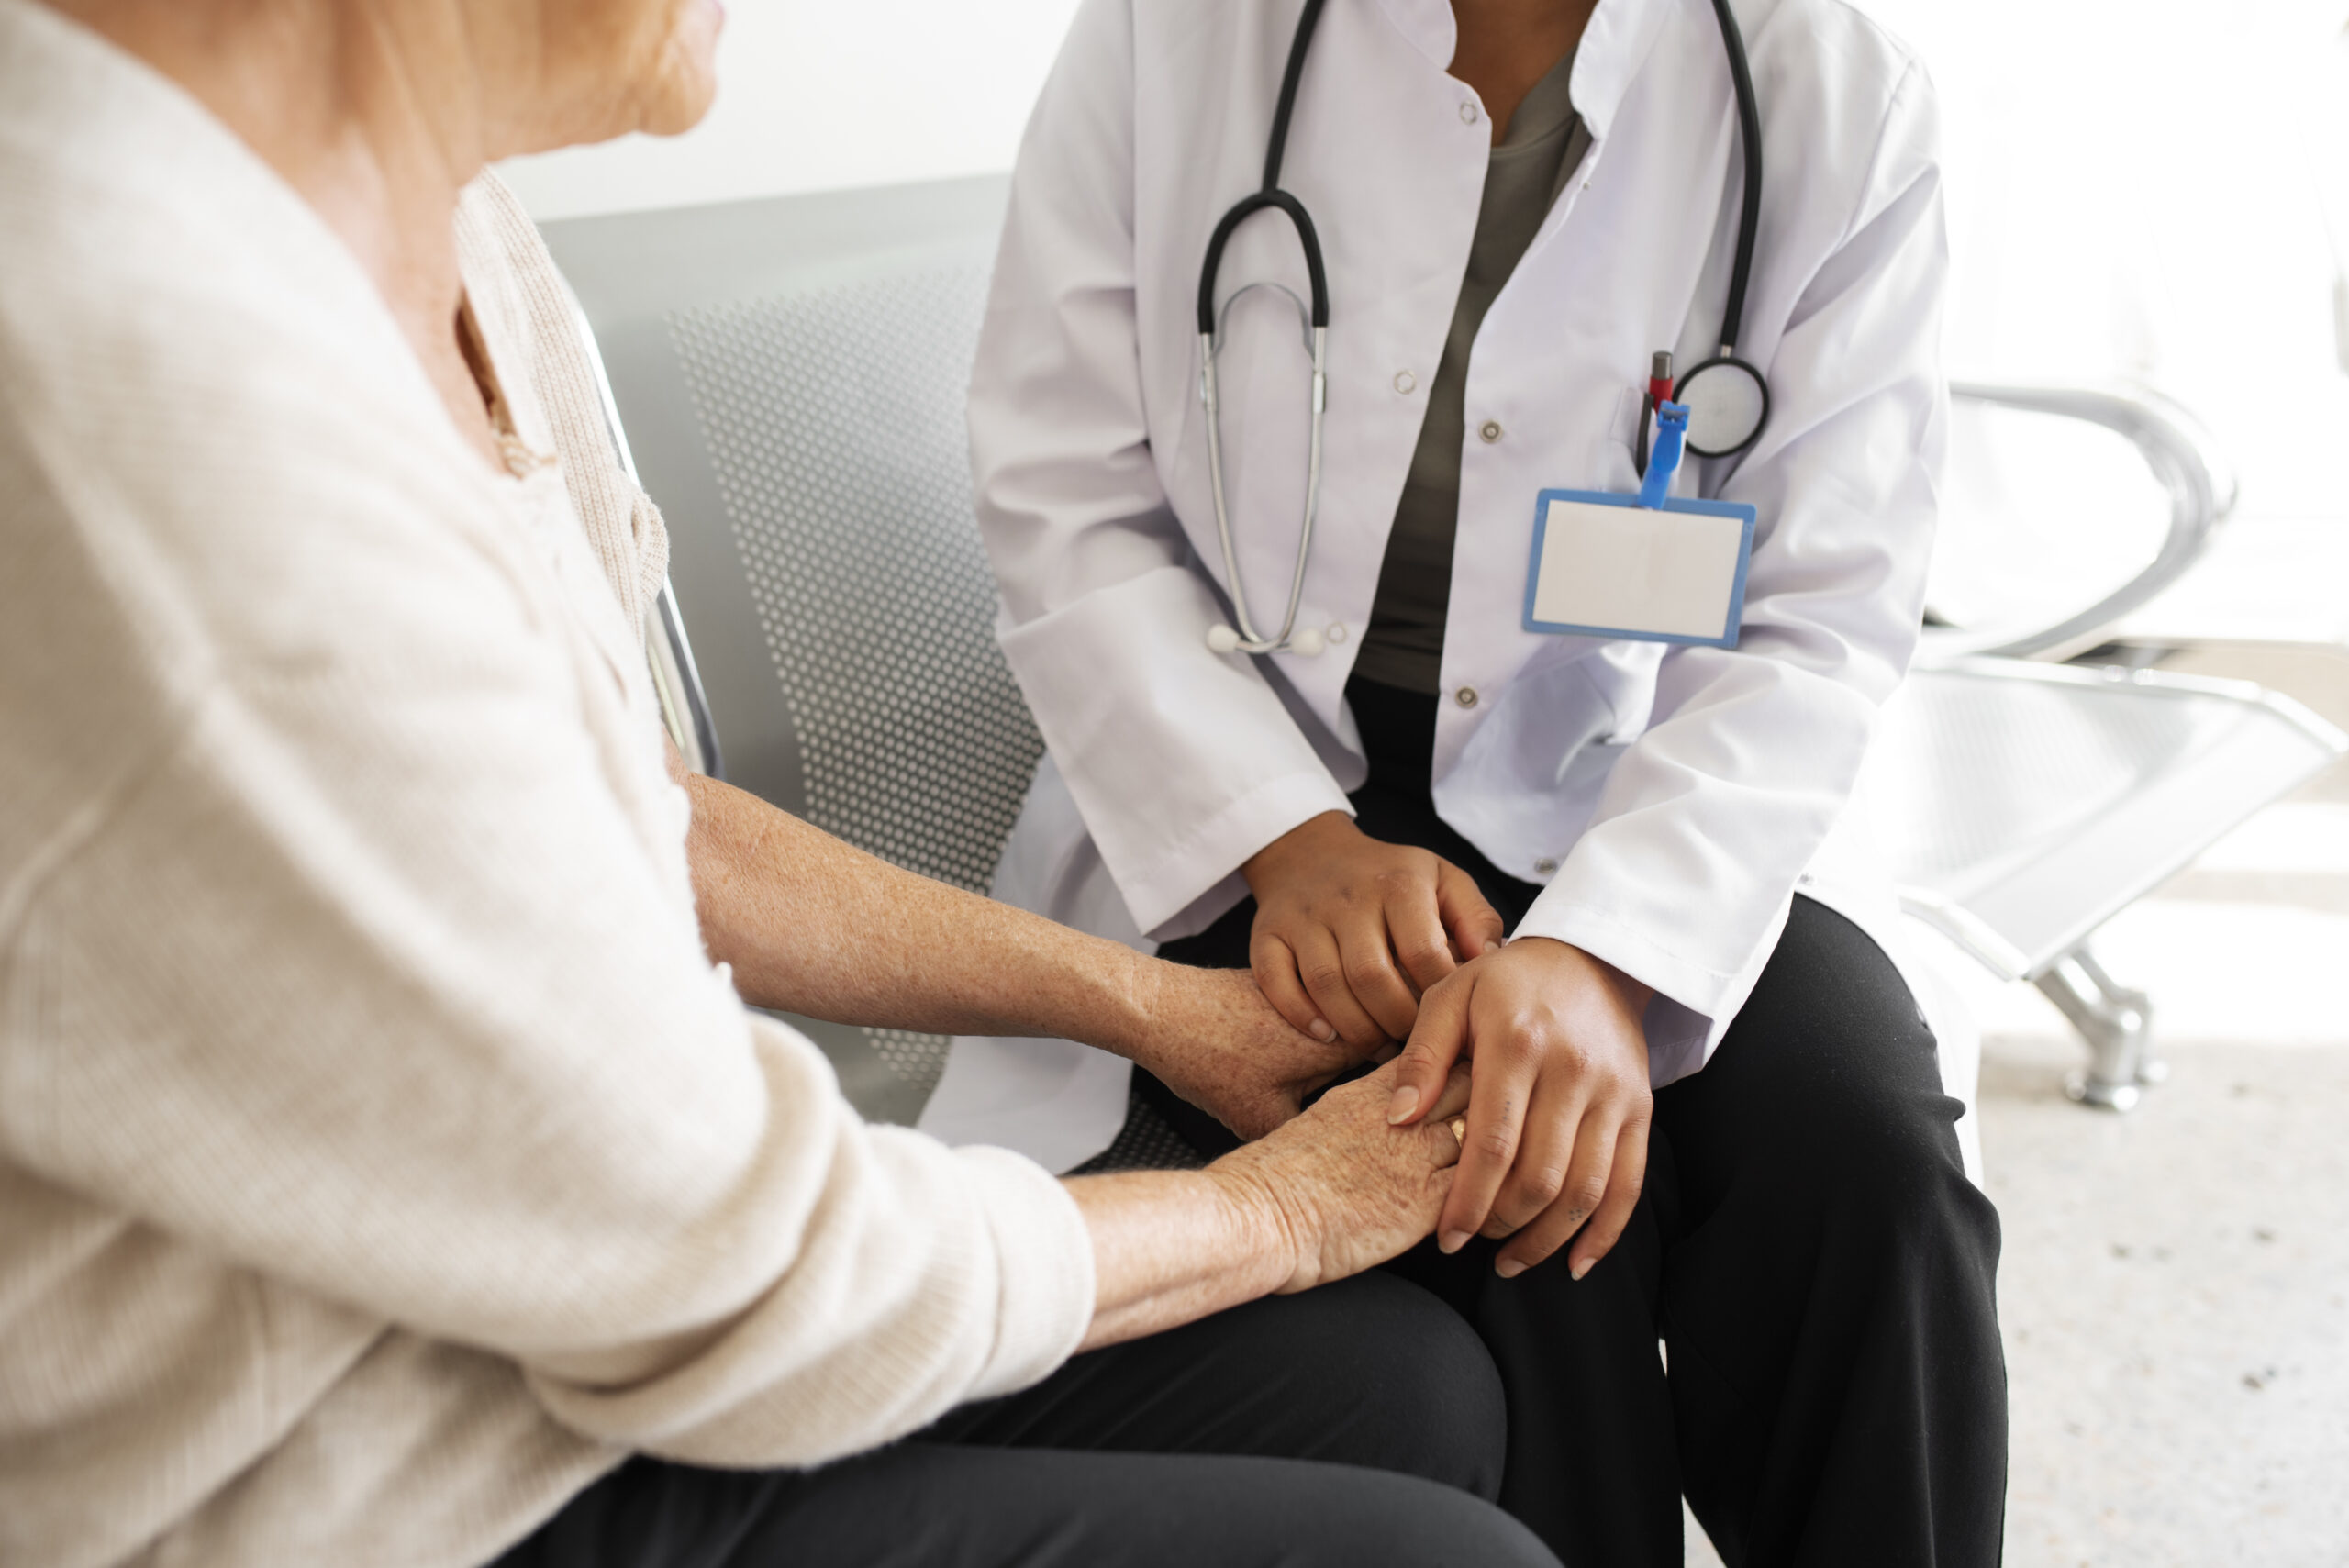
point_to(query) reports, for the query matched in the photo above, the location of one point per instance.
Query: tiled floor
(2176, 1289)
(2175, 1283)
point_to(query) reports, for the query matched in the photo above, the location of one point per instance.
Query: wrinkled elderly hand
(1213, 1038)
(1342, 1190)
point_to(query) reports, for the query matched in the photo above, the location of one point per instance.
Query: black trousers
(1807, 1248)
(1359, 1425)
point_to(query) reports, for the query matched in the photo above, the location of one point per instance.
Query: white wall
(2139, 188)
(2136, 187)
(817, 97)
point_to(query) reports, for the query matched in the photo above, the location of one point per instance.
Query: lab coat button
(1545, 867)
(1468, 113)
(1465, 697)
(1491, 431)
(1405, 383)
(1337, 632)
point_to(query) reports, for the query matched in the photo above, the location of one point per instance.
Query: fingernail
(1492, 946)
(1451, 1240)
(1581, 1267)
(1319, 1029)
(1509, 1268)
(1399, 1109)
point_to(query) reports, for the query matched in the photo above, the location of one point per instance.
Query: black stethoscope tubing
(1749, 217)
(1749, 225)
(1247, 638)
(1271, 196)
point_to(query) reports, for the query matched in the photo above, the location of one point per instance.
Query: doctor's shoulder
(1848, 108)
(1839, 67)
(1847, 41)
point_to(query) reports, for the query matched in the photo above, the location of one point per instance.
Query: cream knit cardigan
(381, 1158)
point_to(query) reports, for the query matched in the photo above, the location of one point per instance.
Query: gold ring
(1459, 1126)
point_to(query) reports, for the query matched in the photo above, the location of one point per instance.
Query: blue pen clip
(1671, 434)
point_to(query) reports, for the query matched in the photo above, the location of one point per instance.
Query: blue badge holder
(1686, 582)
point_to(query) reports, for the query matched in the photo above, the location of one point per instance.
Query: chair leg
(2117, 1023)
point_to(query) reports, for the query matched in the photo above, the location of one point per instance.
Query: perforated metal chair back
(2024, 803)
(790, 377)
(791, 373)
(2021, 805)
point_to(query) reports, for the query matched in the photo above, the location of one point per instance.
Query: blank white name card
(1605, 566)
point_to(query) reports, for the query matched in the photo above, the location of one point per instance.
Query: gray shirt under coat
(1404, 643)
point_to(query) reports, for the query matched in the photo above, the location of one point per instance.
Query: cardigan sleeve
(341, 937)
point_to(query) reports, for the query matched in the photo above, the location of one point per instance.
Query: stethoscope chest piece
(1728, 404)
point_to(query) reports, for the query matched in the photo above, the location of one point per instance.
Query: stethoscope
(1727, 399)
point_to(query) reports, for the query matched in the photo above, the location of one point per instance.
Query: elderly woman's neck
(376, 114)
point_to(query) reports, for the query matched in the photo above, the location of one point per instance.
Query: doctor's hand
(1559, 1105)
(1351, 932)
(1213, 1038)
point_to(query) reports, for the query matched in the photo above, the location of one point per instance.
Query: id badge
(1605, 565)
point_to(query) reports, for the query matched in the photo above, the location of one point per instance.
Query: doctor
(1603, 854)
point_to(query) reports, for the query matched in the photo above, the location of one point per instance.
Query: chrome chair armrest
(2201, 489)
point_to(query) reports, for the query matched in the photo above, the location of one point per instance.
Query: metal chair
(790, 375)
(2022, 804)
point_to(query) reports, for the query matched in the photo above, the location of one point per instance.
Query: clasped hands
(1358, 944)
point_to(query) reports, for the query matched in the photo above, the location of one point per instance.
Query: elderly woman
(387, 1176)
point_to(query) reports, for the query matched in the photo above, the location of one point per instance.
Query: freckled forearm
(813, 926)
(1170, 1247)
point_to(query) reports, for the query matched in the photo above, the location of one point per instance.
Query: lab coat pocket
(1623, 431)
(1531, 777)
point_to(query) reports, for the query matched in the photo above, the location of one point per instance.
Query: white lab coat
(1670, 801)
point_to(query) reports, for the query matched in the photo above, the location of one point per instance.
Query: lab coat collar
(1614, 46)
(1429, 25)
